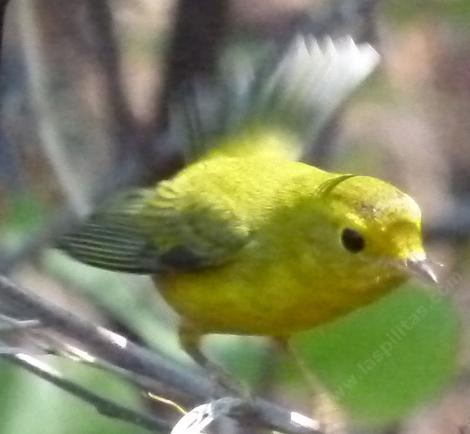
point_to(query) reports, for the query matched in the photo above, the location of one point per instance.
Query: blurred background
(85, 91)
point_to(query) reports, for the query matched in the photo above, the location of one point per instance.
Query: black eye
(352, 240)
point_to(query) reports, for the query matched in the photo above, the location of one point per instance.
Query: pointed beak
(422, 268)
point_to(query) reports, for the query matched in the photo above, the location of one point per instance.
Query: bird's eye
(352, 240)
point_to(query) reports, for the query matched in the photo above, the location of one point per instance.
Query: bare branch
(118, 351)
(3, 9)
(198, 34)
(103, 405)
(108, 59)
(51, 139)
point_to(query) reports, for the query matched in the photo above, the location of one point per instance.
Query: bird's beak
(422, 268)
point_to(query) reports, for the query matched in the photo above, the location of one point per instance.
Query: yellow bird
(246, 239)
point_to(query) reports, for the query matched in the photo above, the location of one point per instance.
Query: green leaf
(383, 361)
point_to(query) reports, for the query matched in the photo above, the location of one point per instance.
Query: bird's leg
(326, 410)
(190, 341)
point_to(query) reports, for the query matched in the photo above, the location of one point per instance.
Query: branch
(50, 137)
(118, 351)
(198, 35)
(108, 59)
(103, 405)
(3, 9)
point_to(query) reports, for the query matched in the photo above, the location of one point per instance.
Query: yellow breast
(271, 297)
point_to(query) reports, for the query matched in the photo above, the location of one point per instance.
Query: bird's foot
(225, 384)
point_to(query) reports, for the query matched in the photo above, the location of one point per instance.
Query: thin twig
(103, 405)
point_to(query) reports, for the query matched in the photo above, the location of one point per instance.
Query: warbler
(246, 239)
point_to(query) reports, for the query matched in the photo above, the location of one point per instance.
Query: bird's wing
(152, 231)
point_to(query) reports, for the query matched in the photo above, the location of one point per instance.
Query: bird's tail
(274, 107)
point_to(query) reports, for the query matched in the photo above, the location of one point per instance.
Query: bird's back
(253, 187)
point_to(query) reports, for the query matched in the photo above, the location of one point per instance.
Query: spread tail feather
(276, 107)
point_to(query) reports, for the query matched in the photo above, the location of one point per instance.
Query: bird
(248, 239)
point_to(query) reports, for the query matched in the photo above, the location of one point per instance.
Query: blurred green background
(78, 96)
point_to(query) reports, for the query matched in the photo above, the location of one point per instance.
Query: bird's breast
(269, 299)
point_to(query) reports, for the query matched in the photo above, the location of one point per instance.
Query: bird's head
(373, 228)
